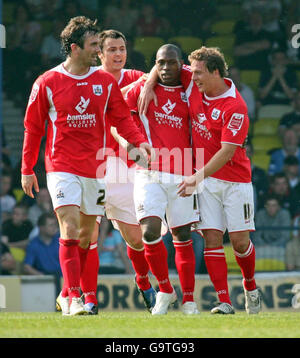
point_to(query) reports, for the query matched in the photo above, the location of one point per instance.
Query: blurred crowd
(261, 41)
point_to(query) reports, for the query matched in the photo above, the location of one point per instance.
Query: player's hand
(28, 183)
(146, 96)
(148, 151)
(188, 186)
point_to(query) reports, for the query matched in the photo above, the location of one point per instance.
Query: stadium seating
(225, 43)
(187, 43)
(262, 144)
(273, 111)
(251, 79)
(261, 160)
(298, 78)
(269, 265)
(19, 255)
(266, 127)
(148, 45)
(229, 11)
(232, 265)
(223, 27)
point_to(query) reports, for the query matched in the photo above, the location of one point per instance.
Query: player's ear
(74, 47)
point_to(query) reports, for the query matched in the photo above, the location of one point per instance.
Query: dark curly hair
(75, 32)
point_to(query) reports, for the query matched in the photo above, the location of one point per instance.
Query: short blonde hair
(213, 58)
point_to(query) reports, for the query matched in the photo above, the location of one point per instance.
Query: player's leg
(65, 190)
(216, 266)
(89, 259)
(244, 251)
(180, 214)
(69, 224)
(185, 264)
(132, 234)
(157, 256)
(239, 213)
(213, 226)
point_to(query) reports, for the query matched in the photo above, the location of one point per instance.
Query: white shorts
(155, 194)
(119, 180)
(226, 205)
(70, 189)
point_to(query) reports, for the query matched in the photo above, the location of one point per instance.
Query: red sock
(70, 266)
(89, 275)
(82, 256)
(217, 269)
(140, 266)
(185, 264)
(157, 257)
(246, 262)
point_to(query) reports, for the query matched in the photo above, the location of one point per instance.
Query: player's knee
(71, 230)
(150, 235)
(181, 235)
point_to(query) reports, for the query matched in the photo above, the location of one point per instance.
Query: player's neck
(75, 68)
(217, 89)
(115, 73)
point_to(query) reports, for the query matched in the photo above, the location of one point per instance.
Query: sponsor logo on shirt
(235, 122)
(199, 126)
(167, 118)
(82, 120)
(168, 107)
(34, 92)
(82, 105)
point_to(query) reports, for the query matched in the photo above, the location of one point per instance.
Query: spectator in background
(291, 120)
(112, 252)
(259, 178)
(278, 82)
(16, 230)
(51, 47)
(289, 147)
(42, 252)
(245, 91)
(7, 262)
(5, 160)
(148, 23)
(135, 59)
(252, 44)
(291, 169)
(43, 204)
(292, 257)
(25, 36)
(121, 16)
(7, 200)
(279, 186)
(269, 221)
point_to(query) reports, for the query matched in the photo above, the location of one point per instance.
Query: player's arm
(34, 124)
(126, 127)
(148, 94)
(223, 155)
(127, 88)
(234, 134)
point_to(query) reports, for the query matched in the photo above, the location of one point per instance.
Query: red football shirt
(222, 119)
(128, 76)
(166, 127)
(78, 111)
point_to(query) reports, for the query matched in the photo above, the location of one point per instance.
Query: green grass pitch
(143, 325)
